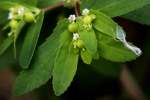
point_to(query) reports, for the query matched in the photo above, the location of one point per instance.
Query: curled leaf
(122, 37)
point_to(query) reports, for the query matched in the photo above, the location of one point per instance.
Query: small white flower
(21, 11)
(72, 18)
(10, 15)
(75, 36)
(10, 34)
(85, 12)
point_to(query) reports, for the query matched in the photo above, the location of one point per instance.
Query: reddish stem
(77, 9)
(60, 4)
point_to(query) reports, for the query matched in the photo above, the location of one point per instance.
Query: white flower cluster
(75, 36)
(85, 12)
(72, 19)
(13, 11)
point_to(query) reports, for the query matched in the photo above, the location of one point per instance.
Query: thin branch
(60, 4)
(130, 85)
(77, 9)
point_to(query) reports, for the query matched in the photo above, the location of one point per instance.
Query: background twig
(130, 85)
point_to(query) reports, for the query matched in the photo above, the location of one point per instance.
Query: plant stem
(77, 9)
(60, 4)
(130, 85)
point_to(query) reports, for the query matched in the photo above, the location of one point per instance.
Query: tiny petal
(72, 18)
(21, 11)
(10, 15)
(9, 34)
(75, 36)
(85, 12)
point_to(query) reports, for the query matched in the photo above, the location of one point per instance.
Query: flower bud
(79, 43)
(87, 20)
(29, 17)
(73, 27)
(13, 24)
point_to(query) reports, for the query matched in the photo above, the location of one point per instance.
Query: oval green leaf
(90, 40)
(30, 41)
(65, 67)
(104, 24)
(86, 57)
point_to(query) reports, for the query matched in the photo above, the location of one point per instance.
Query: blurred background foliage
(100, 81)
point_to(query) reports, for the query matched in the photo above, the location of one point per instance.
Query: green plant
(89, 34)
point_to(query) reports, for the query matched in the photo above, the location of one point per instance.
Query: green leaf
(89, 39)
(10, 3)
(65, 67)
(115, 8)
(30, 41)
(104, 24)
(113, 50)
(7, 4)
(7, 59)
(3, 17)
(106, 68)
(42, 65)
(46, 3)
(9, 40)
(86, 57)
(140, 15)
(27, 2)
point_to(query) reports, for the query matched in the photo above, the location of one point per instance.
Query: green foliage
(42, 66)
(104, 24)
(93, 36)
(30, 41)
(10, 3)
(9, 40)
(106, 68)
(45, 3)
(113, 50)
(140, 15)
(65, 59)
(86, 56)
(90, 41)
(115, 8)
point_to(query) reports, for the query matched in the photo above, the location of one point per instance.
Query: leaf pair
(43, 63)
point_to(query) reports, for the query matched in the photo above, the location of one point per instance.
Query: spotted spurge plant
(89, 33)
